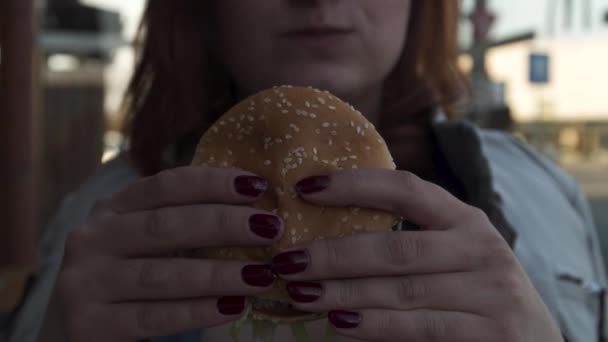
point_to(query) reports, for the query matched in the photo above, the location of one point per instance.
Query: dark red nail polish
(266, 226)
(291, 262)
(312, 185)
(258, 275)
(344, 319)
(251, 186)
(231, 305)
(304, 292)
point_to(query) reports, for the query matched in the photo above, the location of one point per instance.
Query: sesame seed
(230, 152)
(376, 217)
(278, 140)
(287, 136)
(334, 133)
(318, 131)
(313, 115)
(366, 125)
(325, 124)
(380, 140)
(285, 111)
(368, 148)
(215, 129)
(315, 158)
(325, 161)
(355, 166)
(330, 142)
(299, 217)
(223, 123)
(344, 158)
(267, 100)
(252, 103)
(344, 218)
(252, 109)
(321, 100)
(353, 157)
(335, 124)
(332, 107)
(232, 119)
(348, 149)
(315, 106)
(314, 150)
(287, 160)
(358, 129)
(267, 162)
(306, 230)
(279, 105)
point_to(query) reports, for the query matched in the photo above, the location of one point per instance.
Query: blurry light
(113, 141)
(569, 138)
(62, 63)
(465, 63)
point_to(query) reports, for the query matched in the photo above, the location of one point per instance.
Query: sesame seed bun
(286, 134)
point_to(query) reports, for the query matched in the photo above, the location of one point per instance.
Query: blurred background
(538, 69)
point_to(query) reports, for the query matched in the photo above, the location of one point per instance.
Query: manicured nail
(312, 185)
(291, 262)
(266, 226)
(258, 275)
(251, 186)
(304, 292)
(231, 305)
(344, 319)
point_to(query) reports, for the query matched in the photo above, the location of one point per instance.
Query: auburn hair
(179, 89)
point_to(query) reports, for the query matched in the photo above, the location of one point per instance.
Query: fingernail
(258, 275)
(344, 319)
(231, 305)
(266, 226)
(251, 186)
(291, 262)
(304, 292)
(312, 185)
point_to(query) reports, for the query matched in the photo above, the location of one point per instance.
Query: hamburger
(286, 134)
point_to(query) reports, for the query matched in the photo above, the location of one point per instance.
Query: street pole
(17, 34)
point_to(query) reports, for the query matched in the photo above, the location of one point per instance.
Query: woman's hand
(118, 281)
(455, 280)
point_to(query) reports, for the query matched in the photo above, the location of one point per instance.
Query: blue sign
(539, 68)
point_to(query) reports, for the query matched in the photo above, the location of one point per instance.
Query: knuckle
(346, 294)
(400, 249)
(153, 275)
(433, 327)
(407, 180)
(335, 256)
(477, 215)
(149, 319)
(409, 290)
(496, 253)
(157, 225)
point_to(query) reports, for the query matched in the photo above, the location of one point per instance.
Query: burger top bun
(286, 134)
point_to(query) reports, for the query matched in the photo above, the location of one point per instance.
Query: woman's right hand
(117, 282)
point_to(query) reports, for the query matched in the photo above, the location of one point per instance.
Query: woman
(486, 204)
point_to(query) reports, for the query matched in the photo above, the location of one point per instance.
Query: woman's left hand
(454, 280)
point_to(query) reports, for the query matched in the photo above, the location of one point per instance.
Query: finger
(400, 192)
(163, 279)
(382, 255)
(174, 228)
(463, 292)
(136, 321)
(189, 185)
(416, 325)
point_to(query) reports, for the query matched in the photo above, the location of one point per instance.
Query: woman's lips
(317, 37)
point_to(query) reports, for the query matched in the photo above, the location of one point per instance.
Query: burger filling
(277, 308)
